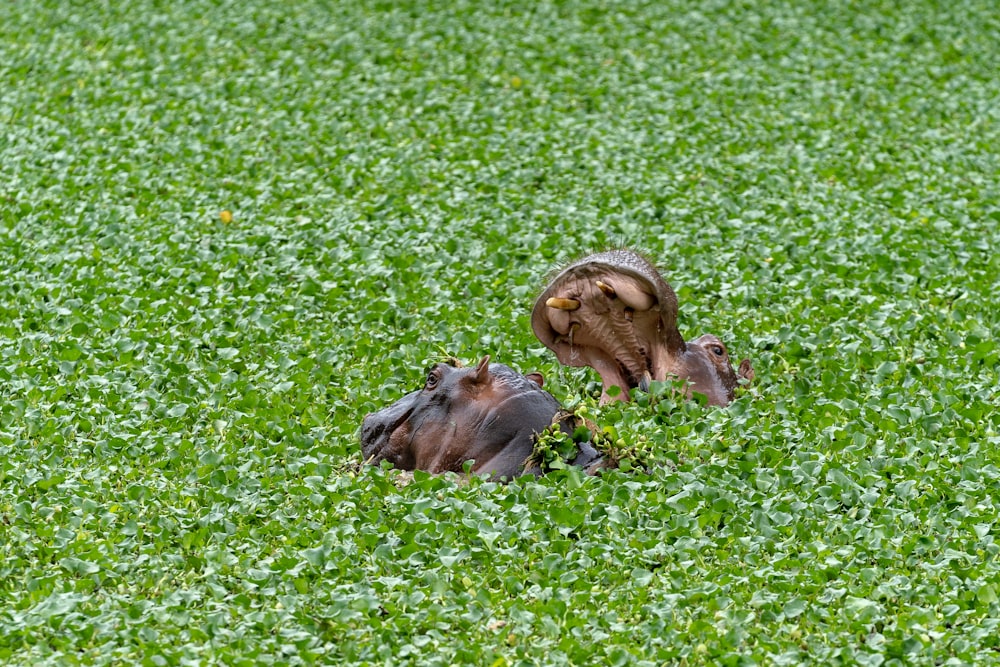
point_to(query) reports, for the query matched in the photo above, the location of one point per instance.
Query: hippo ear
(537, 378)
(745, 371)
(482, 374)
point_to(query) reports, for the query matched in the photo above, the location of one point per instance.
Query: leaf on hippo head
(445, 359)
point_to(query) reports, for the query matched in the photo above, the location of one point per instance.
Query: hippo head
(489, 413)
(708, 370)
(614, 312)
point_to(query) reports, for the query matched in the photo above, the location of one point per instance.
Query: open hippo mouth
(614, 312)
(489, 414)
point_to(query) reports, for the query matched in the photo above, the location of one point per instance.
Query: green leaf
(177, 410)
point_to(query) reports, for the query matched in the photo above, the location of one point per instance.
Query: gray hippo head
(489, 413)
(614, 312)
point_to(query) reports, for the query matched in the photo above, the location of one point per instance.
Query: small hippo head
(489, 413)
(614, 312)
(708, 370)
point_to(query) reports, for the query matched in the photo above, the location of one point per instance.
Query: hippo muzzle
(384, 433)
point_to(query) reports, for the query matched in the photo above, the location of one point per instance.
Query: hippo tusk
(568, 336)
(562, 304)
(608, 290)
(645, 380)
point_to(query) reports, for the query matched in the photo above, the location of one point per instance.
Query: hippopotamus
(614, 312)
(489, 413)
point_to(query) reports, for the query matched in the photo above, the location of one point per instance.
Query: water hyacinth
(230, 230)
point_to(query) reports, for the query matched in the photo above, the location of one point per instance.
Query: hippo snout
(369, 433)
(373, 434)
(377, 428)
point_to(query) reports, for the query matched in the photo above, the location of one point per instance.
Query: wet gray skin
(614, 312)
(489, 413)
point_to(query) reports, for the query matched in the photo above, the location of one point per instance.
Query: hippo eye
(718, 350)
(432, 380)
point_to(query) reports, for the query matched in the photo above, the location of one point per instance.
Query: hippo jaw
(614, 312)
(489, 414)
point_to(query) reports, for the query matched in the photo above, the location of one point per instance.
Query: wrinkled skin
(614, 312)
(489, 413)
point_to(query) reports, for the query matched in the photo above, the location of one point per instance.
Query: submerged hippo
(489, 413)
(613, 311)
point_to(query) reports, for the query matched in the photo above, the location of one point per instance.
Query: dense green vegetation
(230, 229)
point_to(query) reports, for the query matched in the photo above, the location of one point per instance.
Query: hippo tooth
(645, 380)
(562, 304)
(608, 290)
(566, 328)
(573, 354)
